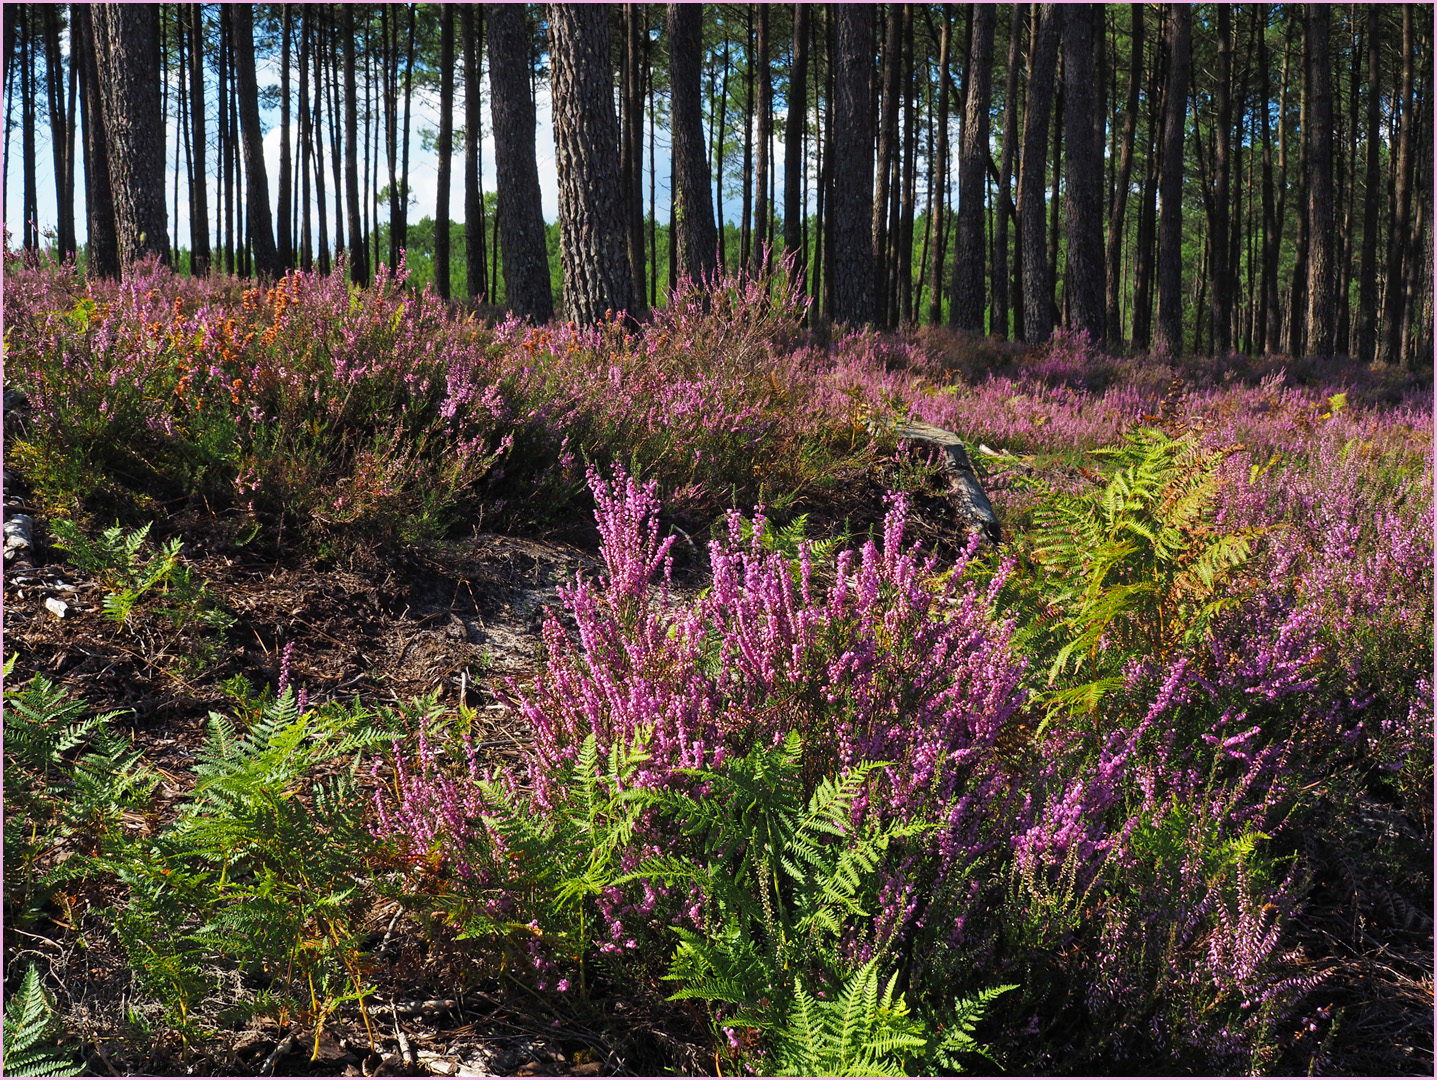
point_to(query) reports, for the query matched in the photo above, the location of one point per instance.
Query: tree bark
(598, 279)
(1170, 218)
(1367, 274)
(1147, 210)
(1006, 210)
(697, 236)
(268, 263)
(1297, 295)
(283, 240)
(1222, 288)
(401, 229)
(759, 246)
(522, 246)
(126, 39)
(1032, 231)
(199, 193)
(851, 249)
(476, 266)
(29, 213)
(1113, 316)
(967, 299)
(358, 250)
(444, 147)
(1322, 264)
(1392, 308)
(902, 246)
(940, 180)
(887, 153)
(631, 152)
(1084, 278)
(794, 188)
(55, 85)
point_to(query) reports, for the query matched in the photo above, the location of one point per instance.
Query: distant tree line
(1187, 178)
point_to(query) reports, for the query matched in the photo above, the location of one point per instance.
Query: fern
(1137, 567)
(30, 1027)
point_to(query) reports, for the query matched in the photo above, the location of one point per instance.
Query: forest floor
(464, 619)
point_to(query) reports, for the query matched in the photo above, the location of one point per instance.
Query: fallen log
(972, 503)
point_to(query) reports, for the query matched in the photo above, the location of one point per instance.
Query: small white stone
(56, 607)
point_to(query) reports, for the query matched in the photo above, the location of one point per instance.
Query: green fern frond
(30, 1027)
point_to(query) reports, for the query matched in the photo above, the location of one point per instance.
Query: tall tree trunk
(597, 276)
(1055, 202)
(224, 167)
(127, 38)
(401, 229)
(306, 146)
(1346, 181)
(1170, 218)
(795, 190)
(317, 128)
(745, 238)
(887, 154)
(1392, 308)
(55, 85)
(358, 249)
(1367, 286)
(1147, 211)
(1113, 316)
(476, 267)
(1322, 265)
(903, 248)
(939, 171)
(851, 249)
(759, 247)
(1037, 285)
(1006, 210)
(268, 263)
(718, 151)
(284, 240)
(522, 245)
(444, 147)
(697, 243)
(1222, 285)
(199, 194)
(631, 152)
(102, 240)
(29, 210)
(967, 302)
(1084, 279)
(1297, 296)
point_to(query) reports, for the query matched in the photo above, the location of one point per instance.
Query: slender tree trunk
(718, 158)
(1346, 181)
(1222, 288)
(126, 41)
(745, 239)
(1037, 286)
(199, 194)
(597, 276)
(268, 263)
(1367, 274)
(1392, 308)
(29, 207)
(55, 85)
(522, 244)
(1114, 279)
(967, 302)
(939, 171)
(476, 269)
(1055, 202)
(1006, 210)
(697, 240)
(317, 131)
(444, 147)
(1147, 212)
(1297, 296)
(336, 138)
(284, 240)
(903, 310)
(224, 167)
(102, 240)
(759, 245)
(794, 188)
(851, 248)
(1321, 267)
(401, 228)
(1085, 277)
(358, 249)
(306, 146)
(887, 154)
(1170, 218)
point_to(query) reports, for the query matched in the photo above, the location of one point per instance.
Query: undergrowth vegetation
(859, 806)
